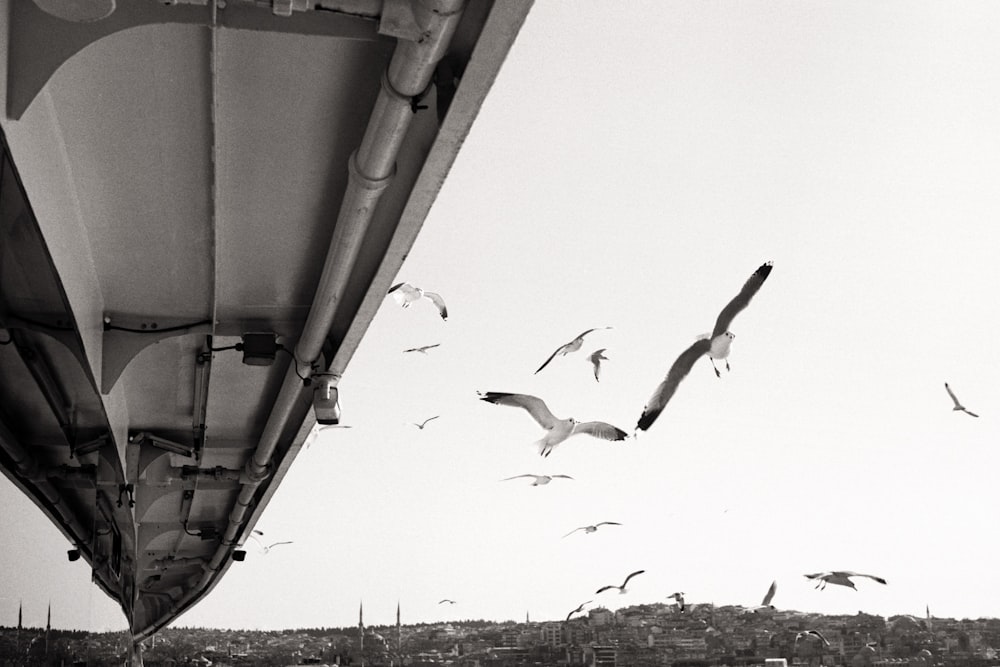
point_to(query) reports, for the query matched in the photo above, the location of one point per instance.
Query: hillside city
(657, 635)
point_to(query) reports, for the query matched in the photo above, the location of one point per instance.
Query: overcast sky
(631, 168)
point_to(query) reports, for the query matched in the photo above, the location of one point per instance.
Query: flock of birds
(716, 346)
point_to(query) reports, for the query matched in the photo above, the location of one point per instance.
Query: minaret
(527, 618)
(930, 625)
(361, 632)
(48, 628)
(399, 633)
(17, 638)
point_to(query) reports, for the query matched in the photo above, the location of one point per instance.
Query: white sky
(631, 167)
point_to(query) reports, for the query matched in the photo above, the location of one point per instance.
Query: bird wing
(428, 347)
(770, 593)
(535, 406)
(403, 292)
(552, 356)
(818, 634)
(608, 523)
(818, 575)
(954, 399)
(595, 359)
(741, 300)
(277, 543)
(681, 367)
(429, 419)
(560, 476)
(439, 302)
(446, 600)
(602, 430)
(848, 573)
(637, 572)
(604, 588)
(518, 476)
(973, 414)
(572, 531)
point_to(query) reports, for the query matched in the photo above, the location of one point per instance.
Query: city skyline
(632, 170)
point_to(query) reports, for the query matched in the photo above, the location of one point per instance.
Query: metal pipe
(371, 169)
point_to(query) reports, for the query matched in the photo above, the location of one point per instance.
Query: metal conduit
(371, 169)
(29, 468)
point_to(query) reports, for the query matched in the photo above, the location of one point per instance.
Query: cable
(180, 327)
(295, 364)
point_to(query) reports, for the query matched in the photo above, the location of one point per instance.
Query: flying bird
(766, 602)
(715, 346)
(578, 609)
(556, 430)
(811, 633)
(954, 399)
(405, 294)
(446, 600)
(596, 358)
(423, 349)
(679, 598)
(841, 578)
(424, 423)
(571, 346)
(621, 589)
(592, 528)
(540, 480)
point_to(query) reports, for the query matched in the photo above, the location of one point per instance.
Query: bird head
(730, 334)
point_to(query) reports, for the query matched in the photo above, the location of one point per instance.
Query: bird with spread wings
(716, 346)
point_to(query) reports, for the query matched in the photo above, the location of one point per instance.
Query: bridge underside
(175, 177)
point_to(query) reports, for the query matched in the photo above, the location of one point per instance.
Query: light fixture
(326, 402)
(73, 554)
(259, 349)
(239, 555)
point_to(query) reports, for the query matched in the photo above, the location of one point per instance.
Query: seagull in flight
(556, 430)
(811, 633)
(841, 578)
(446, 600)
(265, 548)
(621, 589)
(405, 294)
(578, 609)
(679, 598)
(954, 399)
(540, 480)
(596, 358)
(766, 602)
(715, 346)
(424, 423)
(423, 349)
(571, 346)
(593, 528)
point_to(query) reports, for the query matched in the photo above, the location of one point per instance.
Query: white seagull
(621, 589)
(592, 528)
(540, 480)
(596, 358)
(578, 609)
(422, 424)
(716, 347)
(679, 598)
(556, 430)
(954, 399)
(423, 349)
(766, 602)
(446, 600)
(405, 294)
(840, 577)
(571, 346)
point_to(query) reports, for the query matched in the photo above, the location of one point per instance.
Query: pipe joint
(372, 186)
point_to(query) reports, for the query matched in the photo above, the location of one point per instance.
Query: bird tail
(544, 449)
